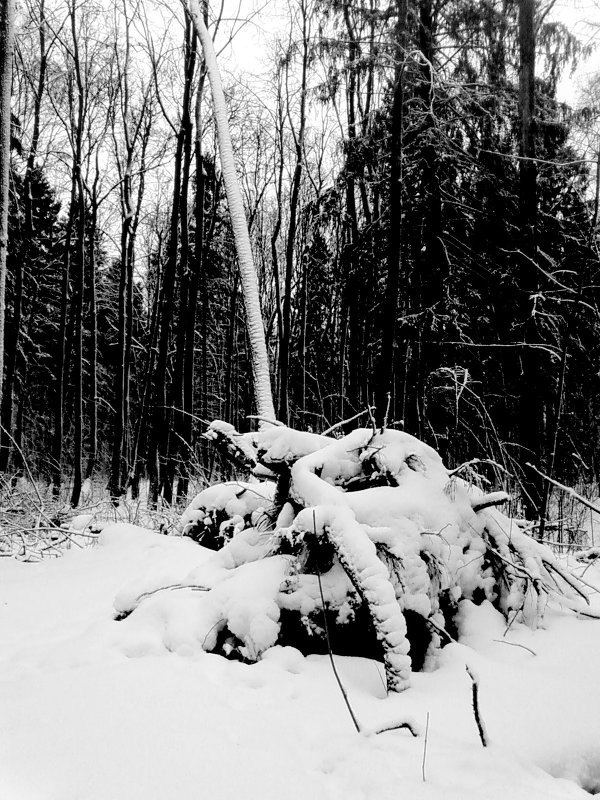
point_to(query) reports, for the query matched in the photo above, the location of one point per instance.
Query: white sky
(583, 18)
(250, 48)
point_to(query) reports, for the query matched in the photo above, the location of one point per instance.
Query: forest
(423, 214)
(299, 399)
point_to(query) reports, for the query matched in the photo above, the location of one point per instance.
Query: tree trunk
(158, 466)
(7, 13)
(78, 102)
(254, 321)
(143, 422)
(62, 347)
(285, 345)
(93, 337)
(13, 345)
(385, 378)
(78, 345)
(531, 411)
(196, 269)
(178, 456)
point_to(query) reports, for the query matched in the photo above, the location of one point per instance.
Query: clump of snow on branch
(219, 512)
(368, 534)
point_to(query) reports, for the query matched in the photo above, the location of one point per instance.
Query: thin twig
(476, 711)
(275, 422)
(172, 587)
(515, 644)
(588, 614)
(498, 501)
(328, 640)
(387, 411)
(347, 421)
(566, 489)
(425, 747)
(399, 726)
(441, 629)
(473, 461)
(579, 578)
(570, 581)
(372, 418)
(553, 543)
(511, 621)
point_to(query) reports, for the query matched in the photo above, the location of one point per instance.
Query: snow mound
(216, 514)
(366, 541)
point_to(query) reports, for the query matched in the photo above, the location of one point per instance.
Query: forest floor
(87, 713)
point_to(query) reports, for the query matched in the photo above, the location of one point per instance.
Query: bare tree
(7, 14)
(532, 409)
(12, 334)
(254, 321)
(298, 137)
(133, 135)
(394, 248)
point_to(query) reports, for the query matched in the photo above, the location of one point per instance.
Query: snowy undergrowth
(35, 525)
(98, 709)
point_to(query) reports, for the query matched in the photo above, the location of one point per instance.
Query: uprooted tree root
(368, 537)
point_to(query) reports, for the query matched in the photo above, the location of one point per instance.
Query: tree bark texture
(7, 14)
(254, 321)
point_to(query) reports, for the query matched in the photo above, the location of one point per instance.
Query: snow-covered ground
(93, 709)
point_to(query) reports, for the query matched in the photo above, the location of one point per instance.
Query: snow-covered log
(369, 537)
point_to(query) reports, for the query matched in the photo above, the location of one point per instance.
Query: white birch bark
(7, 12)
(254, 321)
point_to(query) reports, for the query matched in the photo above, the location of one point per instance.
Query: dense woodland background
(424, 214)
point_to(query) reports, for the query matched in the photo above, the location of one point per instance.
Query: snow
(235, 498)
(99, 709)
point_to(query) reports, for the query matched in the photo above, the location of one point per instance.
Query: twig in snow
(380, 676)
(170, 588)
(495, 499)
(515, 644)
(328, 640)
(347, 421)
(387, 411)
(372, 418)
(473, 461)
(476, 712)
(399, 726)
(572, 545)
(578, 577)
(566, 489)
(589, 614)
(425, 747)
(570, 581)
(275, 422)
(587, 566)
(121, 615)
(441, 630)
(211, 629)
(518, 568)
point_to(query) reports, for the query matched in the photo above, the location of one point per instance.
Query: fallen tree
(366, 544)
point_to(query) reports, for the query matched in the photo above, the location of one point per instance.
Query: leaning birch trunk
(254, 321)
(6, 58)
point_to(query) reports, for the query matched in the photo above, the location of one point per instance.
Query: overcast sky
(251, 44)
(583, 18)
